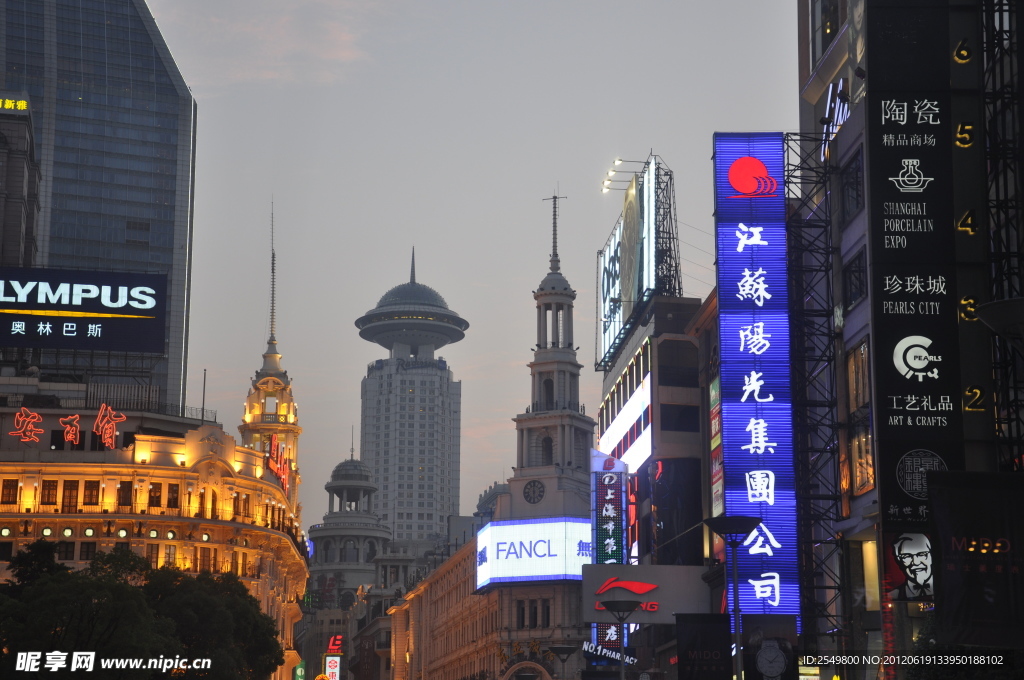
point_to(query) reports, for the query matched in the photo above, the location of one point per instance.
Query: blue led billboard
(754, 336)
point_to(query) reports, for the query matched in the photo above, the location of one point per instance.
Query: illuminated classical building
(411, 412)
(479, 615)
(179, 491)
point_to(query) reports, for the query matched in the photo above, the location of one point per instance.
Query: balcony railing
(78, 403)
(542, 406)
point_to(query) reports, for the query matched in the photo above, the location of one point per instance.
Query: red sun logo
(749, 176)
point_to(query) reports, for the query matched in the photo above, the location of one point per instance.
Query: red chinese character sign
(72, 430)
(105, 426)
(25, 425)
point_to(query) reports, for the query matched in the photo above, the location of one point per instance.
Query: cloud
(260, 41)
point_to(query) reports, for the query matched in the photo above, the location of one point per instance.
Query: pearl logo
(912, 359)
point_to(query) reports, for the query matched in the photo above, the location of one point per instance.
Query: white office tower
(411, 413)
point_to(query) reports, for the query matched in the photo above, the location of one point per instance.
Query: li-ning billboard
(547, 549)
(626, 266)
(87, 310)
(754, 334)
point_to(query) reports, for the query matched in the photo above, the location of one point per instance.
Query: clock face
(533, 492)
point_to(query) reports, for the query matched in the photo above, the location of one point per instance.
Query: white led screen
(545, 549)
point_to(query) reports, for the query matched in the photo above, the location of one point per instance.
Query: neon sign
(72, 430)
(756, 395)
(25, 425)
(105, 426)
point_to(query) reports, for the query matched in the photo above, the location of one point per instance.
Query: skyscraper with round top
(411, 412)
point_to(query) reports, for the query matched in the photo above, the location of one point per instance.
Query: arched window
(371, 550)
(349, 552)
(547, 451)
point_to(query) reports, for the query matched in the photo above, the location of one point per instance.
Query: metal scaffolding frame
(1002, 66)
(815, 420)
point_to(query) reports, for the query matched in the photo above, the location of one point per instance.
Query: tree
(216, 618)
(118, 607)
(93, 610)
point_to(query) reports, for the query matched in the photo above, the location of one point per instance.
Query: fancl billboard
(545, 549)
(756, 396)
(86, 310)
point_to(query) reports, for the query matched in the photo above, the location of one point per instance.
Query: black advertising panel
(83, 310)
(978, 562)
(929, 271)
(918, 419)
(704, 646)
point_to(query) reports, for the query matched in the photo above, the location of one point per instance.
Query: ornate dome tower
(412, 320)
(270, 423)
(348, 540)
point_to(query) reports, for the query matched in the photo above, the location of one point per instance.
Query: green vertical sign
(299, 672)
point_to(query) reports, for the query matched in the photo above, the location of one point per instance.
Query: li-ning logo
(636, 587)
(749, 176)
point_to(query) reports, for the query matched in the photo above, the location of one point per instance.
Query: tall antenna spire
(412, 270)
(555, 262)
(273, 277)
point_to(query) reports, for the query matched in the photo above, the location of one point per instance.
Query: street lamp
(734, 528)
(563, 652)
(621, 610)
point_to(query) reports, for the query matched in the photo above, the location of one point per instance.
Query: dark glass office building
(115, 134)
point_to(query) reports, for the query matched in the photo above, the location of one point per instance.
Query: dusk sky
(379, 126)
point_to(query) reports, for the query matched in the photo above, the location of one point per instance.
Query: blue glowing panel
(754, 332)
(548, 549)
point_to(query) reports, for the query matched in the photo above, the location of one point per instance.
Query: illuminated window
(156, 491)
(49, 492)
(91, 494)
(69, 502)
(170, 555)
(858, 378)
(172, 495)
(861, 457)
(9, 492)
(862, 461)
(124, 493)
(826, 18)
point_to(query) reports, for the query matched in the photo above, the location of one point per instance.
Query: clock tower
(554, 436)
